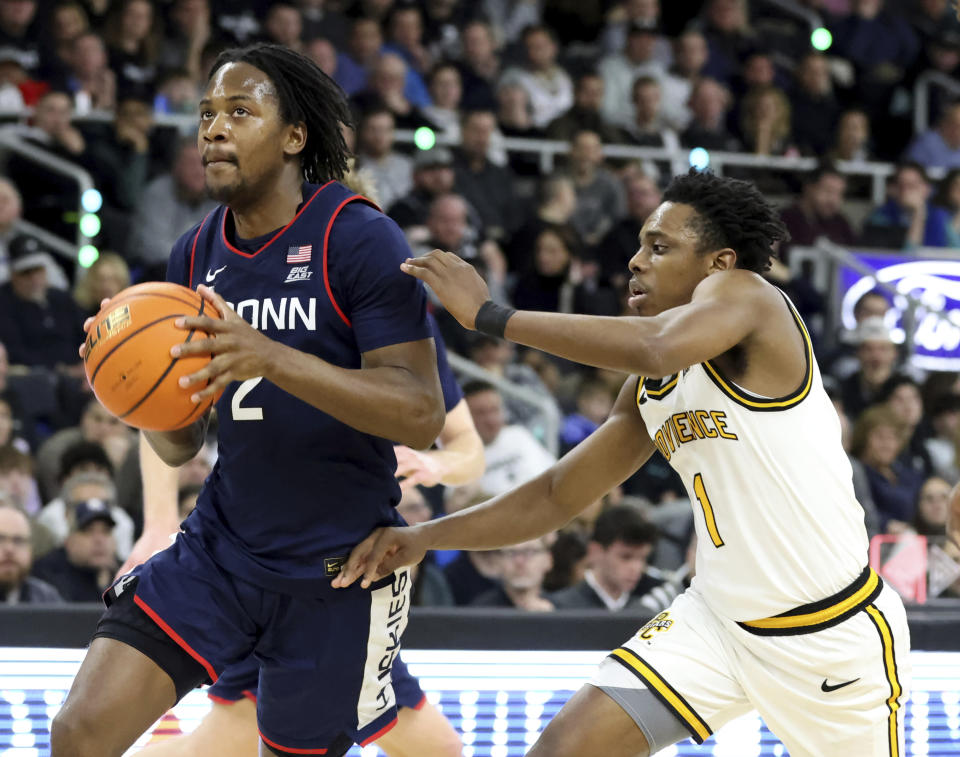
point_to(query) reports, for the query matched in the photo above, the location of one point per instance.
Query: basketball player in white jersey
(784, 616)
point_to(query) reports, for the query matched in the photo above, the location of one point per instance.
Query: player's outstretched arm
(726, 308)
(458, 461)
(544, 504)
(395, 395)
(953, 516)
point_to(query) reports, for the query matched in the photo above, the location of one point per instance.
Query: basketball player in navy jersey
(323, 353)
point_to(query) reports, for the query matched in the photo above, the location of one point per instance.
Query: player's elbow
(425, 421)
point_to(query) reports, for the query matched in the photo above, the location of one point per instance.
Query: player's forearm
(385, 401)
(628, 344)
(460, 460)
(160, 483)
(177, 447)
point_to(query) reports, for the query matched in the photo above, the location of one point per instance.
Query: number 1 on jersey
(704, 500)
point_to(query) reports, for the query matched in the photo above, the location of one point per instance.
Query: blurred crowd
(111, 86)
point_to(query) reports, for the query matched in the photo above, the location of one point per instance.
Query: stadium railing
(921, 96)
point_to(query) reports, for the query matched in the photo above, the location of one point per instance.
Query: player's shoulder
(736, 285)
(186, 240)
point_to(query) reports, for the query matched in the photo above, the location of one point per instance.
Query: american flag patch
(299, 254)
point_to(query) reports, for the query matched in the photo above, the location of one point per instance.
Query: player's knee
(72, 734)
(451, 746)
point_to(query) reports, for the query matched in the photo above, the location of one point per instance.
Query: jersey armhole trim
(193, 248)
(326, 242)
(755, 402)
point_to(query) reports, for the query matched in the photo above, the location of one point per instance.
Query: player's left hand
(415, 468)
(455, 282)
(240, 352)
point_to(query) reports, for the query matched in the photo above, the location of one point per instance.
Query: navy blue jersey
(448, 382)
(293, 488)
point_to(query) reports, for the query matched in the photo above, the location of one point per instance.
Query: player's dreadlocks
(308, 96)
(730, 213)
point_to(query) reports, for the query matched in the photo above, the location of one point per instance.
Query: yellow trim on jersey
(821, 616)
(640, 380)
(694, 722)
(890, 668)
(734, 392)
(663, 389)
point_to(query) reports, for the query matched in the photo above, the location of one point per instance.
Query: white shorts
(829, 679)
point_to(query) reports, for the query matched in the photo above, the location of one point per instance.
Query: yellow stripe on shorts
(664, 692)
(890, 668)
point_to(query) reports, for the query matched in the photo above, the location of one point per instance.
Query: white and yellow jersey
(777, 522)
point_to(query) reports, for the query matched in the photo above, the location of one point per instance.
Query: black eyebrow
(232, 98)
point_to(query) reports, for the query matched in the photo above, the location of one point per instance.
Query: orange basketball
(128, 362)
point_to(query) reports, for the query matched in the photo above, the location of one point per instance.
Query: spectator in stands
(17, 483)
(600, 196)
(11, 208)
(765, 121)
(107, 277)
(939, 147)
(40, 325)
(622, 17)
(944, 440)
(556, 202)
(68, 20)
(133, 42)
(470, 573)
(523, 568)
(585, 113)
(948, 197)
(515, 120)
(594, 404)
(513, 455)
(901, 395)
(84, 567)
(907, 219)
(878, 438)
(649, 127)
(432, 178)
(446, 92)
(620, 70)
(188, 31)
(10, 424)
(818, 212)
(877, 355)
(621, 242)
(19, 33)
(480, 66)
(17, 586)
(487, 187)
(86, 473)
(442, 22)
(366, 41)
(617, 557)
(930, 18)
(322, 52)
(284, 25)
(933, 501)
(96, 425)
(405, 31)
(852, 139)
(557, 283)
(547, 84)
(816, 109)
(389, 86)
(88, 76)
(391, 171)
(726, 27)
(430, 587)
(709, 104)
(170, 204)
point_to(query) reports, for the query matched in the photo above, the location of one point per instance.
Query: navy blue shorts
(240, 681)
(324, 661)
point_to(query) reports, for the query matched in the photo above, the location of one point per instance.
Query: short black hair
(306, 95)
(623, 523)
(895, 382)
(824, 168)
(476, 387)
(82, 453)
(862, 301)
(730, 213)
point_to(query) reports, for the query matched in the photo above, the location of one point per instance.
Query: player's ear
(296, 139)
(723, 260)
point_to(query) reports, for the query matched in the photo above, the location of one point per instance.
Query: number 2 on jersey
(704, 500)
(245, 413)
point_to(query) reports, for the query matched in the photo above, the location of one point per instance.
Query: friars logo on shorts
(660, 623)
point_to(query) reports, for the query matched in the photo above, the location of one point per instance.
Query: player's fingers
(198, 347)
(352, 569)
(217, 367)
(384, 546)
(212, 389)
(201, 322)
(214, 299)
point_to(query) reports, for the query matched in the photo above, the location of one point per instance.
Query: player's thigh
(836, 692)
(422, 732)
(100, 708)
(591, 723)
(227, 730)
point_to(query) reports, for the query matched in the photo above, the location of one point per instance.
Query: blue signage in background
(934, 283)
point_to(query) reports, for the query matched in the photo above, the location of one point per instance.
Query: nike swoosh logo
(828, 688)
(211, 275)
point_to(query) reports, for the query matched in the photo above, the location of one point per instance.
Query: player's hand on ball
(381, 553)
(88, 323)
(455, 282)
(239, 351)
